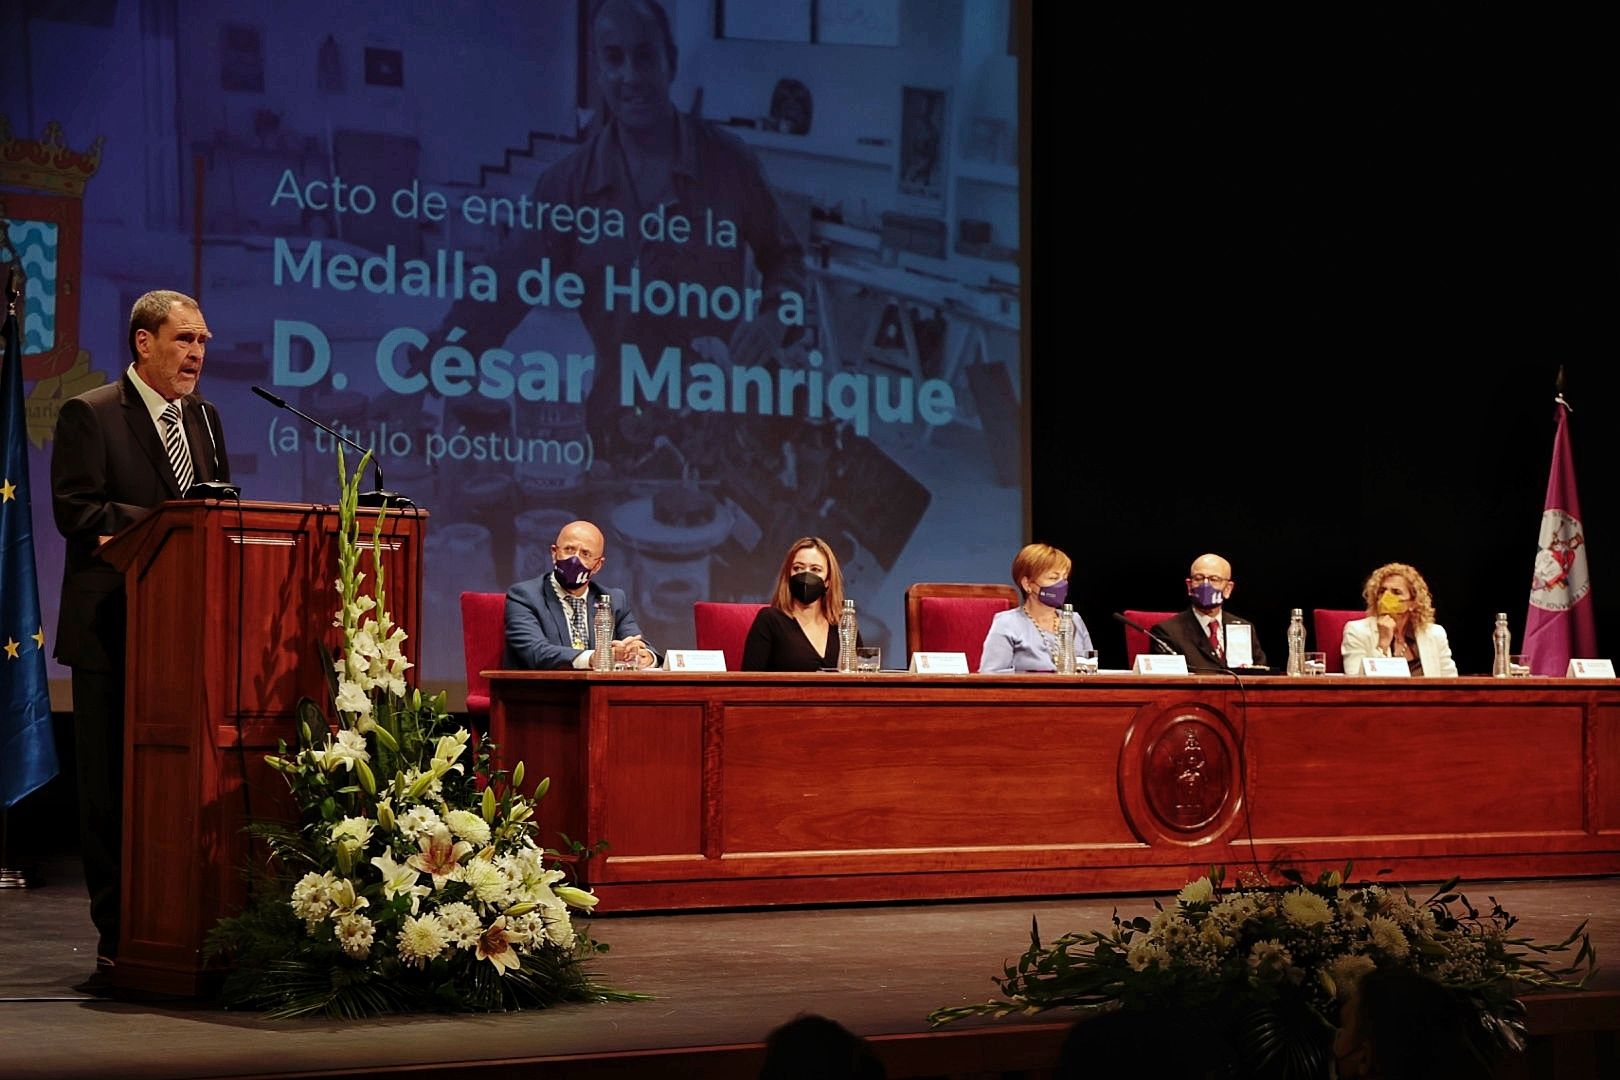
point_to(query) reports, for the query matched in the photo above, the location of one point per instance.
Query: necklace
(1048, 637)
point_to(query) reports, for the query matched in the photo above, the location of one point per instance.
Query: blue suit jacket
(538, 635)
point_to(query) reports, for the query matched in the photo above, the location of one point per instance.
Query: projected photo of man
(711, 208)
(690, 269)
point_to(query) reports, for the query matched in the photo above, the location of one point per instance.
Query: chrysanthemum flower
(461, 925)
(1305, 908)
(421, 939)
(354, 933)
(468, 826)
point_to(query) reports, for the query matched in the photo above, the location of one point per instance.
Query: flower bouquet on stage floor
(1261, 971)
(413, 879)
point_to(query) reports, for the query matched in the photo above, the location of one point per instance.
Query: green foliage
(1271, 964)
(413, 878)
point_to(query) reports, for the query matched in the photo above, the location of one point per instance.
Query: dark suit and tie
(109, 468)
(540, 635)
(1186, 634)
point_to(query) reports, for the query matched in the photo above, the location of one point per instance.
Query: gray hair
(150, 311)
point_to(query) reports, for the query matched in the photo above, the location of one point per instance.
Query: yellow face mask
(1390, 604)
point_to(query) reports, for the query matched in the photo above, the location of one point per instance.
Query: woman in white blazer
(1399, 623)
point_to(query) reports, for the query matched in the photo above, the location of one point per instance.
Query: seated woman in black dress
(799, 631)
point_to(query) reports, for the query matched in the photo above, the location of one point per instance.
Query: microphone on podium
(378, 496)
(213, 489)
(1152, 634)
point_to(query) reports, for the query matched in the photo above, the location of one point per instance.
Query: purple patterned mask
(572, 572)
(1055, 594)
(1206, 595)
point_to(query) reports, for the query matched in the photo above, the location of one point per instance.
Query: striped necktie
(174, 442)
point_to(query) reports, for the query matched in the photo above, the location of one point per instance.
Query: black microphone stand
(378, 496)
(1150, 633)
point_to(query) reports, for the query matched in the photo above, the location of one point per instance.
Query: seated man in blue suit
(549, 618)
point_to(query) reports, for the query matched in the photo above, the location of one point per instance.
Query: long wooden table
(757, 789)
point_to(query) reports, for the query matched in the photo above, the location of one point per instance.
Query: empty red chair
(944, 617)
(1136, 642)
(1329, 625)
(483, 643)
(724, 627)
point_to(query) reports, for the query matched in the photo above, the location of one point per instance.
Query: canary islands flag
(27, 746)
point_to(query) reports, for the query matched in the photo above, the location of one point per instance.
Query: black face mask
(807, 588)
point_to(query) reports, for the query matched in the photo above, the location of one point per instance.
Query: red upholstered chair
(942, 617)
(483, 642)
(1329, 624)
(1136, 642)
(724, 627)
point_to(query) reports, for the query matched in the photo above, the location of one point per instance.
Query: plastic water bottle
(602, 658)
(1063, 662)
(1296, 642)
(848, 634)
(1501, 647)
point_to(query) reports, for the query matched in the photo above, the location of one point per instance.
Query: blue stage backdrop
(415, 222)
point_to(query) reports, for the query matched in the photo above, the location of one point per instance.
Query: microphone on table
(377, 496)
(1152, 635)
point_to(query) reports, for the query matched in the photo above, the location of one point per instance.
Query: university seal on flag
(1559, 579)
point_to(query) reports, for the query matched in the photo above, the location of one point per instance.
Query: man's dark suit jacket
(539, 635)
(1183, 632)
(108, 470)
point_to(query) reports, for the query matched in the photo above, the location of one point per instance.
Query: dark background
(1301, 285)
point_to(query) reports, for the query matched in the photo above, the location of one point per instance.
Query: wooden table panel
(750, 789)
(867, 776)
(652, 779)
(1390, 770)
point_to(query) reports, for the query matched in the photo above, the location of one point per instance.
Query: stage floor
(716, 980)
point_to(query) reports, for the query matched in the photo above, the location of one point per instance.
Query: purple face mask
(1206, 595)
(1055, 594)
(572, 572)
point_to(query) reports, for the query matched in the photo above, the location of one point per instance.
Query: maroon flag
(1560, 623)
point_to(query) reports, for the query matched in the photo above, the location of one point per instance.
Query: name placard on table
(1386, 667)
(695, 660)
(1159, 664)
(939, 663)
(1590, 669)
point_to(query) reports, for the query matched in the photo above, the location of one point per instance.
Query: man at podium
(120, 450)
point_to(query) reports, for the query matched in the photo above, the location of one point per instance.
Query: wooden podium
(227, 603)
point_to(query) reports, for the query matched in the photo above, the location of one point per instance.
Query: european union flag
(27, 747)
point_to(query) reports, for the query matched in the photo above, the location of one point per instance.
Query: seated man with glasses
(1206, 633)
(549, 619)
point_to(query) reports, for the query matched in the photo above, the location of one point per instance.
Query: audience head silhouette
(1174, 1043)
(1401, 1026)
(811, 1047)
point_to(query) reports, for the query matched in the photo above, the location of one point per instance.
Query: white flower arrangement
(415, 878)
(1273, 964)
